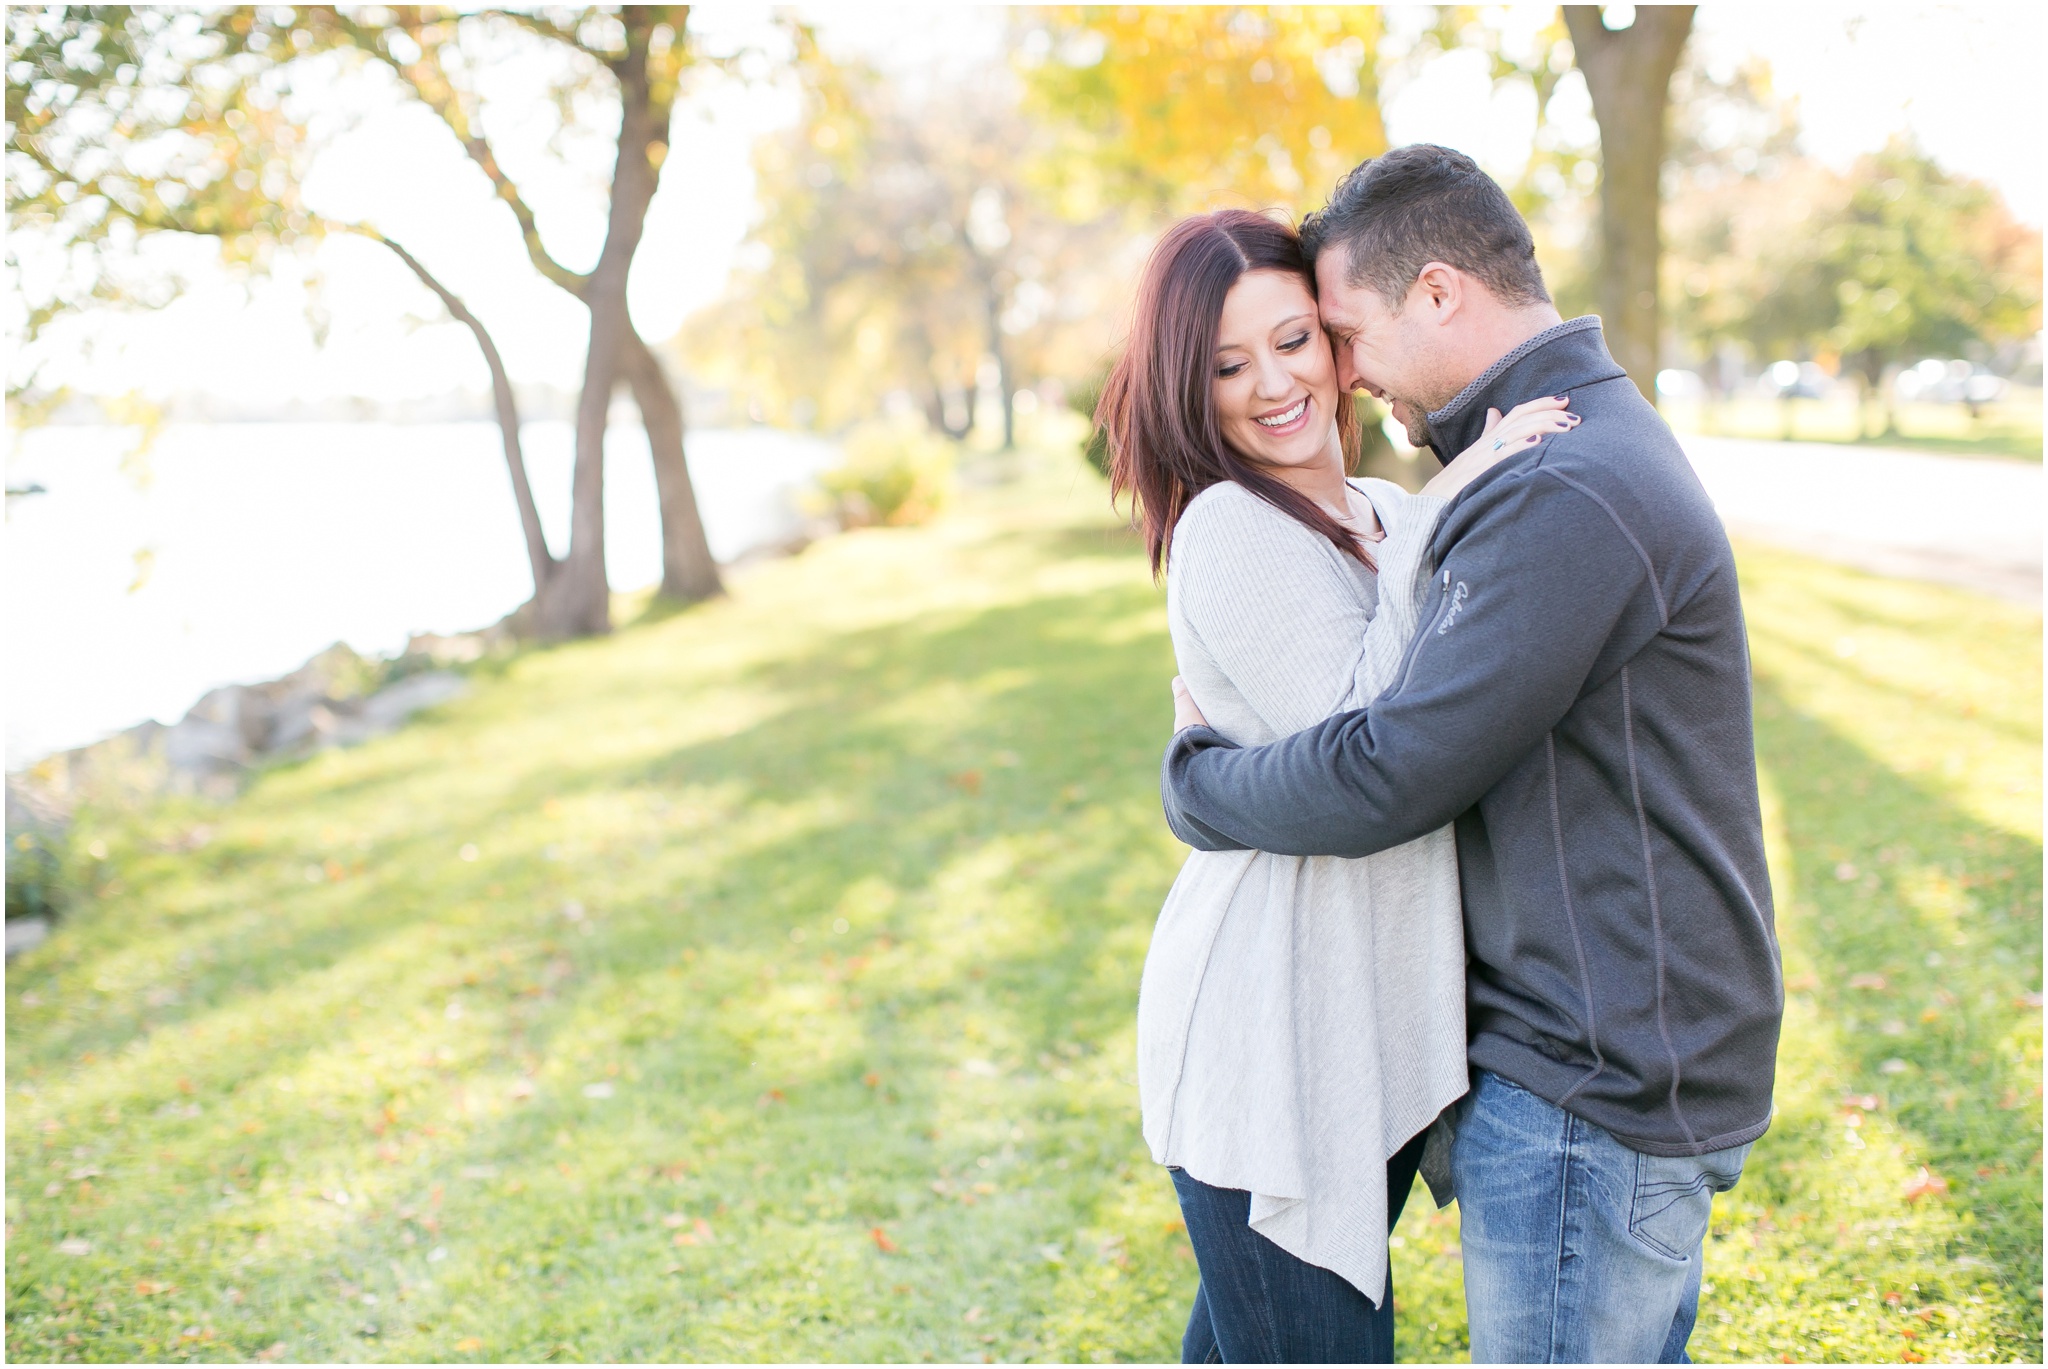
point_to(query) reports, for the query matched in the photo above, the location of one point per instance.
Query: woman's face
(1275, 379)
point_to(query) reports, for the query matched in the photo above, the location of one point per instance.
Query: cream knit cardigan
(1300, 1018)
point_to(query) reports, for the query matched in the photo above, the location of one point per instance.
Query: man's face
(1387, 354)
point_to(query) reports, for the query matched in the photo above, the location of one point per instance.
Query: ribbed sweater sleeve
(1410, 521)
(1269, 601)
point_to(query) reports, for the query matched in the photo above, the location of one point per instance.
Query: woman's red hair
(1158, 407)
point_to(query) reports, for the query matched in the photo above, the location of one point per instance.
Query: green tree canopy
(1895, 260)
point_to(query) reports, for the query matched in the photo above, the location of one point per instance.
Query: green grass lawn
(758, 984)
(2011, 427)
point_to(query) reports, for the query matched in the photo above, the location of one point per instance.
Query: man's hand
(1185, 714)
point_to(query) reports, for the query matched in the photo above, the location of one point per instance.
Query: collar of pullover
(1555, 361)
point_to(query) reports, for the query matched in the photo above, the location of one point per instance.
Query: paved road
(1964, 521)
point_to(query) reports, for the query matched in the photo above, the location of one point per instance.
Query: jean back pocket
(1674, 1198)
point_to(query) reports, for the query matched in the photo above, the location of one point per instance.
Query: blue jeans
(1257, 1304)
(1577, 1249)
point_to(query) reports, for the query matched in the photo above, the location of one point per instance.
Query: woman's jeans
(1577, 1249)
(1257, 1304)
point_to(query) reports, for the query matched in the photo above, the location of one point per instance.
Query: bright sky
(1964, 79)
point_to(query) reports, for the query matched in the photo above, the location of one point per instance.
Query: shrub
(1082, 399)
(896, 472)
(36, 849)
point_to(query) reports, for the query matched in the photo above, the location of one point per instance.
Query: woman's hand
(1521, 428)
(1185, 714)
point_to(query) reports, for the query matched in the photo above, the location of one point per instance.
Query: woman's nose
(1274, 381)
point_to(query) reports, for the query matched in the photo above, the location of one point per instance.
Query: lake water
(238, 550)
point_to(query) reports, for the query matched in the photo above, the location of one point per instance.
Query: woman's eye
(1295, 344)
(1226, 372)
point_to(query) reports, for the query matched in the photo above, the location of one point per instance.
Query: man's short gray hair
(1394, 214)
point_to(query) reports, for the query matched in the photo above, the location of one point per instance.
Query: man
(1577, 702)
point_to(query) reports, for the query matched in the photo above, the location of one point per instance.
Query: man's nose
(1348, 378)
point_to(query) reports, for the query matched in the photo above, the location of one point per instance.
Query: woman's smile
(1286, 421)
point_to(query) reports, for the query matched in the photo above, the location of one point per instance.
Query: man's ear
(1442, 288)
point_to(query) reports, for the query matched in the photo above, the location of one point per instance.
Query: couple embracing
(1478, 888)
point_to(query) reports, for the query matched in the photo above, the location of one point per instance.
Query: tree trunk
(538, 558)
(687, 571)
(579, 604)
(1628, 74)
(993, 299)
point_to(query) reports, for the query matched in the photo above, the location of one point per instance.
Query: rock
(222, 732)
(25, 934)
(389, 707)
(460, 649)
(336, 673)
(318, 723)
(33, 812)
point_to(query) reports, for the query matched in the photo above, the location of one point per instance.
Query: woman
(1301, 1020)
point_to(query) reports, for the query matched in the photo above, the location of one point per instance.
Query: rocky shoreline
(336, 699)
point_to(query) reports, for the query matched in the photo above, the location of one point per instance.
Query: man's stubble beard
(1441, 389)
(1417, 427)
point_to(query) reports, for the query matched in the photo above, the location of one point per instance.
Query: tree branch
(428, 77)
(537, 554)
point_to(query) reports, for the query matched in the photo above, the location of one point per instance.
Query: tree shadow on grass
(985, 788)
(1923, 928)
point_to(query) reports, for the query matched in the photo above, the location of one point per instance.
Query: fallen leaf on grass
(468, 1345)
(975, 1314)
(1874, 982)
(1923, 1184)
(871, 1079)
(272, 1352)
(882, 1241)
(149, 1289)
(699, 1234)
(74, 1245)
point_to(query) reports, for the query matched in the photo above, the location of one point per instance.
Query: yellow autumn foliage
(1183, 109)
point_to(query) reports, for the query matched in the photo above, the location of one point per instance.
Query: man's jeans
(1577, 1249)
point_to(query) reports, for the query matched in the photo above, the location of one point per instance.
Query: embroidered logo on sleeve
(1458, 596)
